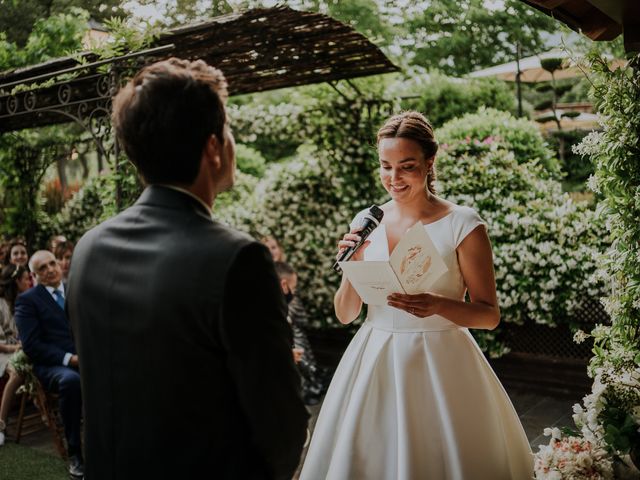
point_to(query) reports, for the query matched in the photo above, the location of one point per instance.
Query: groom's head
(167, 115)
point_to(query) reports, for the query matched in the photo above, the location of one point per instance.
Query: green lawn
(23, 463)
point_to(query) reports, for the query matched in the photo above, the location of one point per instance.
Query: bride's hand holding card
(412, 268)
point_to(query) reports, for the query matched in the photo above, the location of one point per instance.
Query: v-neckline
(386, 237)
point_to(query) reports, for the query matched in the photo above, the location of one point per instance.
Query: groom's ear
(284, 286)
(211, 152)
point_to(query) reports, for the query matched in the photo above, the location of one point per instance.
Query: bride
(413, 396)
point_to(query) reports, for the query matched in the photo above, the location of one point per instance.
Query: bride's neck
(419, 208)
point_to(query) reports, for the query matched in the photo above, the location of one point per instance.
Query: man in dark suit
(46, 339)
(179, 320)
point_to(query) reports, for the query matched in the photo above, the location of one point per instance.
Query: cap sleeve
(465, 220)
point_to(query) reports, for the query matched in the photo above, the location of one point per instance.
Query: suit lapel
(47, 297)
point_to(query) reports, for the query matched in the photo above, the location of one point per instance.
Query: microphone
(369, 223)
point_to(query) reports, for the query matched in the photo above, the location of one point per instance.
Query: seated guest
(14, 280)
(312, 383)
(63, 252)
(46, 339)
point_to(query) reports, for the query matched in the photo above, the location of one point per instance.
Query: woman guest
(63, 252)
(413, 396)
(14, 280)
(16, 253)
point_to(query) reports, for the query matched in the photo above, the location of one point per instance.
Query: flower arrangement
(23, 366)
(571, 457)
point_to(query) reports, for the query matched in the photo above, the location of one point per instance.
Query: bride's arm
(476, 265)
(346, 302)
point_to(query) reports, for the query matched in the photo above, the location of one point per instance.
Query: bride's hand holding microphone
(353, 243)
(350, 240)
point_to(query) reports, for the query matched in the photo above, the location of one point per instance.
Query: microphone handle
(348, 253)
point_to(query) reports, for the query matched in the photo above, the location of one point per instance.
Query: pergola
(597, 19)
(258, 50)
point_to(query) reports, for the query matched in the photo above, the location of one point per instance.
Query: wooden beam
(581, 16)
(631, 31)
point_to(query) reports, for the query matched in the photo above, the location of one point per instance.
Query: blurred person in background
(14, 280)
(63, 252)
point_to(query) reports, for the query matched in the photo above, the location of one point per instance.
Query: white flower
(580, 337)
(583, 460)
(553, 475)
(593, 185)
(553, 432)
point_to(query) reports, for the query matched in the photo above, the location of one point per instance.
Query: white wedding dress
(414, 398)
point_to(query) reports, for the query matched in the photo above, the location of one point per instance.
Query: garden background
(561, 204)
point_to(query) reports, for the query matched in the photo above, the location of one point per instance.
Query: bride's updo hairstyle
(413, 126)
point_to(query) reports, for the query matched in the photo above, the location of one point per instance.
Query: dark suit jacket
(185, 352)
(43, 328)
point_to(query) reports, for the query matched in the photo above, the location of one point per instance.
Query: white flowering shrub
(250, 161)
(82, 212)
(545, 245)
(273, 130)
(518, 135)
(94, 203)
(308, 202)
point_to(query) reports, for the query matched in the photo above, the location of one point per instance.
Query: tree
(18, 17)
(172, 13)
(459, 36)
(24, 159)
(25, 156)
(50, 37)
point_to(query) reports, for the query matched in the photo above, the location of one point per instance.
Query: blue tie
(59, 298)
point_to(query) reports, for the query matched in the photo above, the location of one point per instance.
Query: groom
(179, 320)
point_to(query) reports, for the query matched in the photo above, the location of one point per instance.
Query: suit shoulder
(228, 234)
(97, 230)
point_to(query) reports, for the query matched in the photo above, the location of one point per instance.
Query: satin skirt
(416, 399)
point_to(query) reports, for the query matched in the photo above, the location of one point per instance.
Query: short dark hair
(283, 269)
(165, 114)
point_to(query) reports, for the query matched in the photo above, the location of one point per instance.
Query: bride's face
(403, 168)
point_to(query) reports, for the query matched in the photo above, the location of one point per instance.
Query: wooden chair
(47, 403)
(22, 420)
(45, 415)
